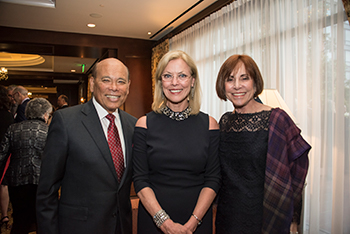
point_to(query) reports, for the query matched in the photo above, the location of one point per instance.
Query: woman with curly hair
(25, 142)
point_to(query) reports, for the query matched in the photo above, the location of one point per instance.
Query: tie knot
(110, 117)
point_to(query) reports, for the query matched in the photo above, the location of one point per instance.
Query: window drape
(303, 50)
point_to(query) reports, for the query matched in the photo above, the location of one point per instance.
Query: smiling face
(111, 84)
(240, 89)
(176, 83)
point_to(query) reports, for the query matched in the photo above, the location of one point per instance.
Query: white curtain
(303, 50)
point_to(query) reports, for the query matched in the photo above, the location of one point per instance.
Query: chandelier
(3, 74)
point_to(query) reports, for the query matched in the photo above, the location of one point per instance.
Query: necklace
(178, 116)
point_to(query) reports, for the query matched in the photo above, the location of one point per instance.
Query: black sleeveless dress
(242, 153)
(176, 159)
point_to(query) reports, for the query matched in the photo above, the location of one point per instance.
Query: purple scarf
(286, 168)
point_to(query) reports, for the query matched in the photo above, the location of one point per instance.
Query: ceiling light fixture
(91, 25)
(37, 3)
(20, 60)
(95, 15)
(3, 74)
(149, 33)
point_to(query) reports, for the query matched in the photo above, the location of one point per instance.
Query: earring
(192, 92)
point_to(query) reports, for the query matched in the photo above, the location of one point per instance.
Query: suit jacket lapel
(92, 123)
(127, 133)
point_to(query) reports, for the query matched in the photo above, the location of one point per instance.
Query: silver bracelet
(198, 220)
(293, 232)
(160, 217)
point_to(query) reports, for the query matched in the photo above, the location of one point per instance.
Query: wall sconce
(3, 74)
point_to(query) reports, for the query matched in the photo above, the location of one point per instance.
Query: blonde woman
(176, 168)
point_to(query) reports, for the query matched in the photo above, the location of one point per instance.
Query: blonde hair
(159, 100)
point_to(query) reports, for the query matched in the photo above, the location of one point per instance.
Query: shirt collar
(101, 111)
(27, 98)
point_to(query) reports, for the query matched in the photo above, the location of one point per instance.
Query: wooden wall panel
(135, 53)
(140, 97)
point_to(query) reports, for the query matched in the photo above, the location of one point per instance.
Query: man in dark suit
(62, 101)
(20, 94)
(78, 159)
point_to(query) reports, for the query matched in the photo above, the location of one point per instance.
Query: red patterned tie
(115, 146)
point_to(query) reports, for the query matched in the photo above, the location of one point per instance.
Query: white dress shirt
(105, 123)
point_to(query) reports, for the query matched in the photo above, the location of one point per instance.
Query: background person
(176, 168)
(13, 107)
(77, 158)
(6, 120)
(62, 101)
(5, 114)
(25, 142)
(264, 159)
(20, 94)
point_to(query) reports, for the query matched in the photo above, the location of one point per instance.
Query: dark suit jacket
(77, 159)
(62, 107)
(21, 111)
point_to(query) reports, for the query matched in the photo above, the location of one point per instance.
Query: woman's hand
(169, 227)
(294, 228)
(192, 224)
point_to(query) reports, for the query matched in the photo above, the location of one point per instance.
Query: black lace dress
(242, 153)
